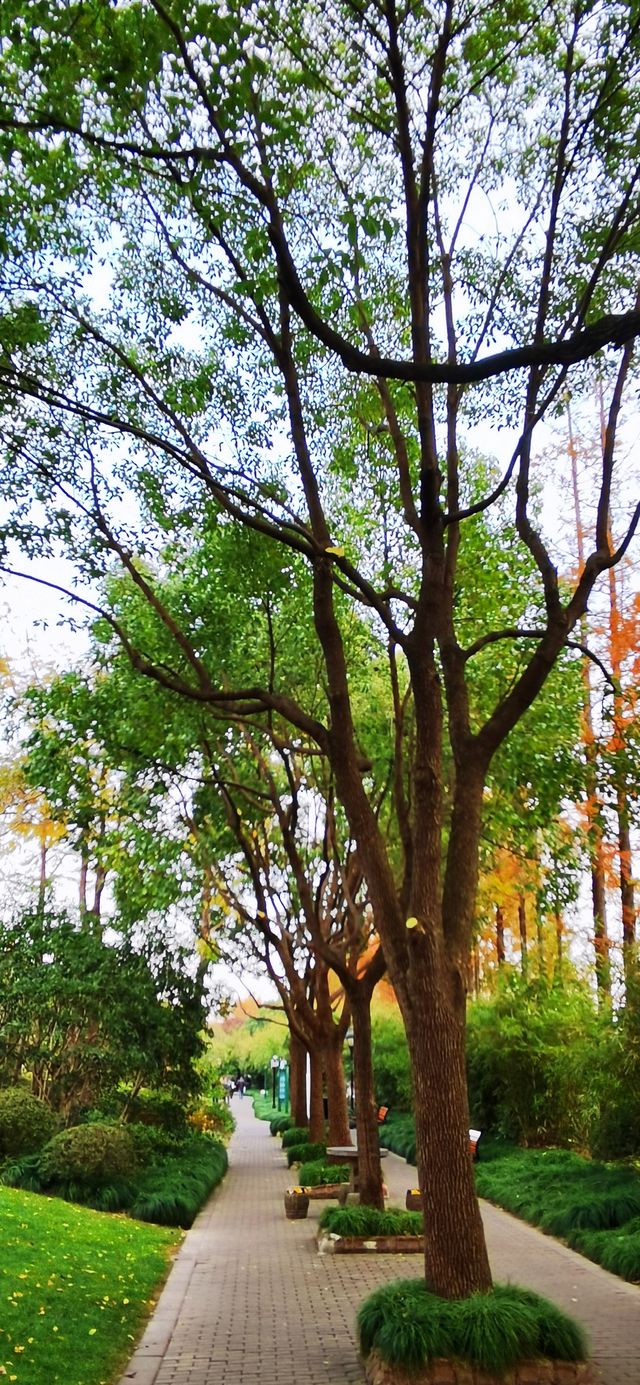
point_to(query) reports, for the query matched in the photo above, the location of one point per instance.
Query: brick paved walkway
(250, 1302)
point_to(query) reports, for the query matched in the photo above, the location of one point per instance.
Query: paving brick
(250, 1302)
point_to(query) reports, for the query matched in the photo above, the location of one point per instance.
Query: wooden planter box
(326, 1190)
(379, 1372)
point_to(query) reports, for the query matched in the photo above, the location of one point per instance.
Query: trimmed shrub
(280, 1123)
(295, 1135)
(492, 1332)
(368, 1221)
(89, 1154)
(315, 1173)
(26, 1123)
(298, 1154)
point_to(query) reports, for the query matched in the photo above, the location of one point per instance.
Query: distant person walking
(240, 1086)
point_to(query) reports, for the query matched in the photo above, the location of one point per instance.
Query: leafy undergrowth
(76, 1288)
(368, 1221)
(315, 1173)
(175, 1177)
(595, 1207)
(493, 1332)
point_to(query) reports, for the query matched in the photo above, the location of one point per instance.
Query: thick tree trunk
(369, 1168)
(456, 1261)
(316, 1103)
(298, 1081)
(427, 963)
(339, 1133)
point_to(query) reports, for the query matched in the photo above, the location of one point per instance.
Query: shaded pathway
(250, 1302)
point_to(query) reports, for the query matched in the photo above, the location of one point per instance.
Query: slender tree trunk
(500, 935)
(600, 936)
(539, 941)
(82, 888)
(522, 929)
(316, 1103)
(339, 1133)
(369, 1167)
(100, 882)
(593, 801)
(42, 881)
(298, 1081)
(627, 892)
(475, 971)
(559, 941)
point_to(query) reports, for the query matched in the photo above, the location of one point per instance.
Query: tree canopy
(264, 269)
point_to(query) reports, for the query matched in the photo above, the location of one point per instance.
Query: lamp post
(275, 1064)
(349, 1042)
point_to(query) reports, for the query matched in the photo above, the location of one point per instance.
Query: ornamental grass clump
(617, 1251)
(560, 1191)
(315, 1174)
(295, 1135)
(298, 1154)
(408, 1327)
(368, 1221)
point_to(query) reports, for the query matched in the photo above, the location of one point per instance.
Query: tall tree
(293, 193)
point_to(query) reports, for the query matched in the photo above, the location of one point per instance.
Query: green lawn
(76, 1287)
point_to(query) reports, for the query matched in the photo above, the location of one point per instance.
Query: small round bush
(89, 1154)
(26, 1123)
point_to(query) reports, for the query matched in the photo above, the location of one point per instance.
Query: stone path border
(250, 1302)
